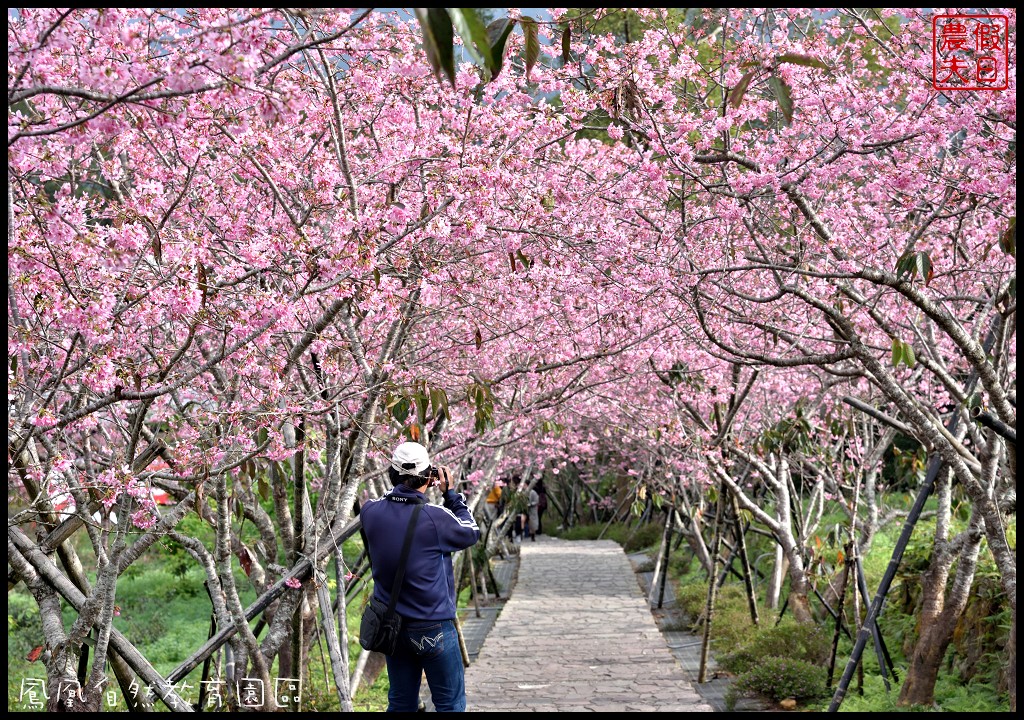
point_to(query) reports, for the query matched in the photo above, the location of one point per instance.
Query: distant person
(532, 513)
(492, 504)
(542, 505)
(429, 642)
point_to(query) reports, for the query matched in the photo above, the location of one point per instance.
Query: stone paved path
(576, 635)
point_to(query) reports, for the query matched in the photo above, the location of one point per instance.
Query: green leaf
(903, 353)
(471, 29)
(566, 45)
(736, 96)
(1008, 239)
(783, 95)
(429, 43)
(480, 394)
(915, 263)
(906, 265)
(263, 488)
(924, 266)
(908, 355)
(438, 39)
(439, 401)
(805, 60)
(531, 46)
(421, 407)
(444, 34)
(548, 201)
(401, 410)
(497, 35)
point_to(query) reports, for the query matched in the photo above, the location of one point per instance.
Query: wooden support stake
(884, 659)
(748, 578)
(839, 617)
(462, 641)
(661, 561)
(206, 664)
(339, 668)
(472, 581)
(709, 608)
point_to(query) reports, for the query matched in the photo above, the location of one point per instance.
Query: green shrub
(632, 538)
(779, 678)
(680, 564)
(646, 536)
(800, 641)
(584, 532)
(644, 566)
(731, 625)
(692, 597)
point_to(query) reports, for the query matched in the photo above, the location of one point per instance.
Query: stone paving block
(573, 631)
(581, 638)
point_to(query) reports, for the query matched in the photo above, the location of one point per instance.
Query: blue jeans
(431, 647)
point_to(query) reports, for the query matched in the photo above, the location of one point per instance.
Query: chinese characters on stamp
(250, 693)
(970, 52)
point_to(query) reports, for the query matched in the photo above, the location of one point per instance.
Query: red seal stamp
(970, 52)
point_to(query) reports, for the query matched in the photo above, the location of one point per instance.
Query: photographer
(429, 640)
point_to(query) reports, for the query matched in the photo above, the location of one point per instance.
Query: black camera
(433, 473)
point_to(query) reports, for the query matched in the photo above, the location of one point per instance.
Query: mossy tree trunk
(940, 610)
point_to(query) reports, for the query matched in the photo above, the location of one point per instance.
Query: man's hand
(443, 478)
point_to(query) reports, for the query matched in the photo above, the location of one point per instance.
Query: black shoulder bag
(380, 624)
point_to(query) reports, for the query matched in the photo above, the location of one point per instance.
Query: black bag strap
(404, 557)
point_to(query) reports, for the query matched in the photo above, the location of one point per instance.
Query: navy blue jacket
(428, 591)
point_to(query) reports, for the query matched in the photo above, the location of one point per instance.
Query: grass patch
(632, 537)
(165, 612)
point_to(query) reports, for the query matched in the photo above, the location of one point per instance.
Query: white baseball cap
(410, 458)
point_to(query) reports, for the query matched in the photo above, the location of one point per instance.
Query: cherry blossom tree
(250, 250)
(834, 211)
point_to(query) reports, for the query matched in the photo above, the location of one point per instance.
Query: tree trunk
(939, 614)
(799, 585)
(774, 590)
(799, 604)
(937, 633)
